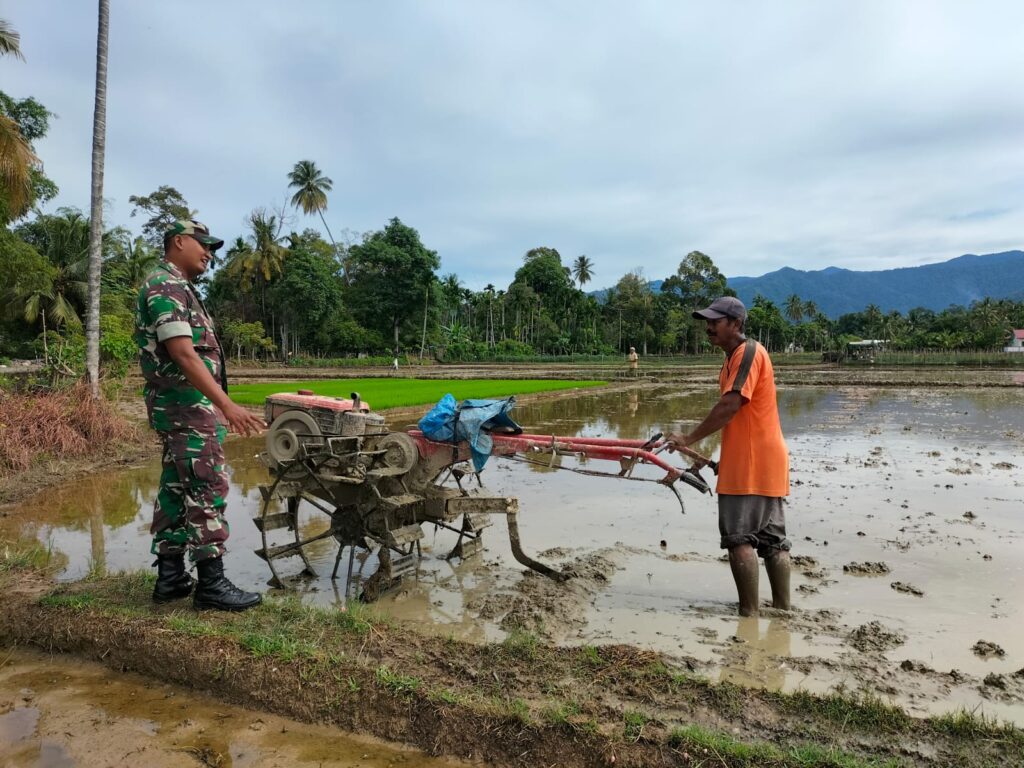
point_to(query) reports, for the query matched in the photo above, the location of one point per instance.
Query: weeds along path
(516, 703)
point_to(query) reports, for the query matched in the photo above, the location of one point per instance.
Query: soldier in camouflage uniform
(187, 402)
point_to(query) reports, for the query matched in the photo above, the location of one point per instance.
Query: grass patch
(281, 645)
(400, 685)
(964, 724)
(357, 618)
(590, 656)
(520, 644)
(569, 714)
(190, 625)
(814, 756)
(695, 737)
(634, 724)
(726, 750)
(867, 712)
(394, 393)
(515, 708)
(75, 602)
(24, 556)
(446, 696)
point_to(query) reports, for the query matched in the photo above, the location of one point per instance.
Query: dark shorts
(755, 520)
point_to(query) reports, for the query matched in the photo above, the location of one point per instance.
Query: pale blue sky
(865, 135)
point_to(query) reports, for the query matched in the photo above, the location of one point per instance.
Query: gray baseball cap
(725, 306)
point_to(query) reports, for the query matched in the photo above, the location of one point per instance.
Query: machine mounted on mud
(376, 488)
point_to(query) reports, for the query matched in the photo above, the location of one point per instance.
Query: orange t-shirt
(754, 459)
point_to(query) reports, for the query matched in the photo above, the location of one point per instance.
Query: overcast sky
(864, 135)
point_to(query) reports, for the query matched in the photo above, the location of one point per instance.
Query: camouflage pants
(189, 511)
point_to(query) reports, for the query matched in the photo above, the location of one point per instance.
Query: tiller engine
(375, 488)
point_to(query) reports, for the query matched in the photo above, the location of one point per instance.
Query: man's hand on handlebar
(676, 441)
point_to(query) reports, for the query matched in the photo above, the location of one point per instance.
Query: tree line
(285, 293)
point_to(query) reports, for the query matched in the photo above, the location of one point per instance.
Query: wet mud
(906, 517)
(55, 712)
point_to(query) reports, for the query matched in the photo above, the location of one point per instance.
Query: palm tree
(582, 270)
(16, 156)
(794, 308)
(311, 188)
(489, 297)
(257, 259)
(99, 141)
(63, 240)
(810, 309)
(873, 320)
(10, 41)
(267, 255)
(451, 290)
(139, 260)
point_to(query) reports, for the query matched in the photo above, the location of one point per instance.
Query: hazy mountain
(934, 286)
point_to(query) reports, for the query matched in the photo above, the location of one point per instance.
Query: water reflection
(878, 475)
(759, 660)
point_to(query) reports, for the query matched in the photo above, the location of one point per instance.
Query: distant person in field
(394, 365)
(634, 362)
(188, 406)
(753, 476)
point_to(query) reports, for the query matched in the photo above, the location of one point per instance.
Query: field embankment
(515, 703)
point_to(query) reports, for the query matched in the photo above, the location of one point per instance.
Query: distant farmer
(186, 399)
(634, 362)
(753, 476)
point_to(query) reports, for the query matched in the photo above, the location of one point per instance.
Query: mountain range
(837, 291)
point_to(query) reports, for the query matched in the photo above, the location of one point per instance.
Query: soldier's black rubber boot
(214, 591)
(172, 580)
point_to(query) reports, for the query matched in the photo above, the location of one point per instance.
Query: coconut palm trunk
(99, 142)
(334, 244)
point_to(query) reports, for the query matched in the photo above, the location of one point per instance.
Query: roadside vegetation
(517, 702)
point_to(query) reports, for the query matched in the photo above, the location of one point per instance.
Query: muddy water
(926, 482)
(55, 713)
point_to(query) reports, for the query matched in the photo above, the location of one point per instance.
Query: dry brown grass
(57, 425)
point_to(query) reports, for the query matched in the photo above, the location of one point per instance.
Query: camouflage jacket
(169, 306)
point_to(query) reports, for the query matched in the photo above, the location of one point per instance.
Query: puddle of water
(66, 713)
(17, 726)
(878, 475)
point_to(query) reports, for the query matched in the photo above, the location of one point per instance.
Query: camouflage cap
(195, 229)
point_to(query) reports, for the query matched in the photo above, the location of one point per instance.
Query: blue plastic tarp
(451, 422)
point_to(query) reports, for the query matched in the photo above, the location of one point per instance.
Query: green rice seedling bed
(398, 392)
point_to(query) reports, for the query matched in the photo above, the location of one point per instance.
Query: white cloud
(866, 135)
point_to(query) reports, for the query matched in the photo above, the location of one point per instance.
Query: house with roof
(1016, 341)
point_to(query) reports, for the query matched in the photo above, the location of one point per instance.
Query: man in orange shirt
(753, 475)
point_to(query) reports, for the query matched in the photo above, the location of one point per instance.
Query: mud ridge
(492, 703)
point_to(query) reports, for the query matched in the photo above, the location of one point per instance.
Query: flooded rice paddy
(906, 517)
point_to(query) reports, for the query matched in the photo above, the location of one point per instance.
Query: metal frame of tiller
(381, 487)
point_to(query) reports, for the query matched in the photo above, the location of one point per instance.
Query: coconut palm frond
(33, 303)
(10, 41)
(62, 312)
(16, 163)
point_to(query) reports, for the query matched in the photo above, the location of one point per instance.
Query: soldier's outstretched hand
(242, 421)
